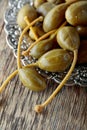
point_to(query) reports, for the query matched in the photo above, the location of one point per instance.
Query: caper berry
(31, 79)
(38, 30)
(82, 30)
(68, 38)
(76, 13)
(82, 53)
(42, 47)
(28, 11)
(55, 17)
(37, 3)
(45, 8)
(56, 60)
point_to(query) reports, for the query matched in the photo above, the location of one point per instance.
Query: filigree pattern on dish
(79, 75)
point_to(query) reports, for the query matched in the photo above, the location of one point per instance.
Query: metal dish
(79, 75)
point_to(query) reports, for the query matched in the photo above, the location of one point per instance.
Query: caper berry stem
(39, 108)
(7, 80)
(21, 36)
(31, 28)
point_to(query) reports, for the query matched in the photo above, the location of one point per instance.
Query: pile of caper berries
(58, 30)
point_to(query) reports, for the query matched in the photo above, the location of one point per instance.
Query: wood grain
(68, 111)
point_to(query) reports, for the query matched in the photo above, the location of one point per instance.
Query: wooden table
(68, 111)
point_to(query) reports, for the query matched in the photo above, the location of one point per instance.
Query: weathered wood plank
(68, 111)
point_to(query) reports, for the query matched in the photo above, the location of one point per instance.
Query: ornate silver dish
(79, 75)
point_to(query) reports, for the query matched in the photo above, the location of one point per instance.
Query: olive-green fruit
(31, 79)
(82, 53)
(56, 60)
(28, 11)
(37, 3)
(56, 1)
(76, 13)
(38, 31)
(55, 17)
(42, 47)
(45, 8)
(68, 38)
(82, 30)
